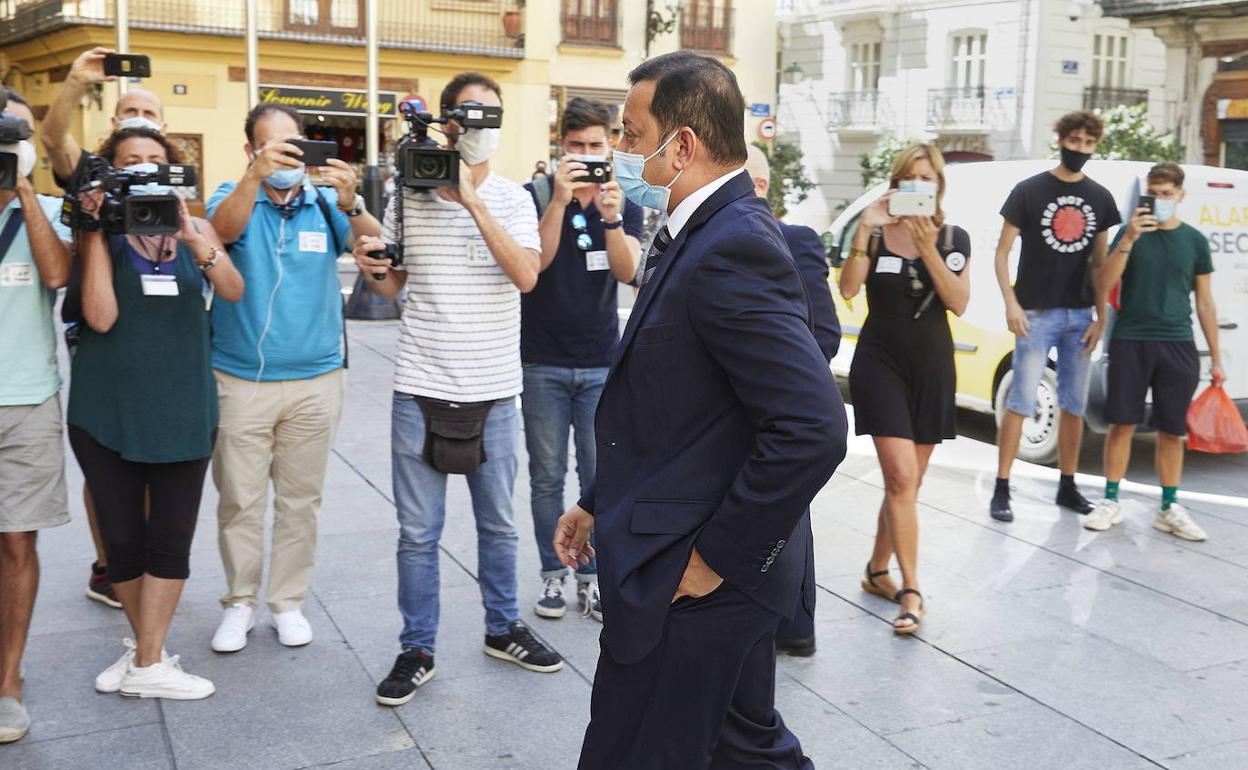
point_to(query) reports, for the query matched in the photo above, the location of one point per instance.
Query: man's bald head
(139, 103)
(759, 167)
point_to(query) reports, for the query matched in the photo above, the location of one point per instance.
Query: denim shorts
(1061, 328)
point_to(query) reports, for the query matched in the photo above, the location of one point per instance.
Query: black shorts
(1170, 369)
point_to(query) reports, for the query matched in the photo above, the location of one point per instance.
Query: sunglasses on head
(581, 226)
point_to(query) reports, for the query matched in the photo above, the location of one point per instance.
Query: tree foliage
(877, 164)
(789, 184)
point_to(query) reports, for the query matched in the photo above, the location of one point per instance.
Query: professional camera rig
(121, 211)
(12, 131)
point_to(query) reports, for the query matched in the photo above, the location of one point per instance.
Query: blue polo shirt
(288, 325)
(571, 318)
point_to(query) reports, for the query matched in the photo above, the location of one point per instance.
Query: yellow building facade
(311, 55)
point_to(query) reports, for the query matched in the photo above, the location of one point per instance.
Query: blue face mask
(1163, 210)
(629, 167)
(285, 178)
(151, 188)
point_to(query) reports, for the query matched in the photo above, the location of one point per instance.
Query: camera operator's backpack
(542, 189)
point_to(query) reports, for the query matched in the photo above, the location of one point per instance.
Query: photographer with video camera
(142, 404)
(469, 247)
(34, 263)
(569, 328)
(279, 357)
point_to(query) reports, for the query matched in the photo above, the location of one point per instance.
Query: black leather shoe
(798, 648)
(1070, 498)
(999, 508)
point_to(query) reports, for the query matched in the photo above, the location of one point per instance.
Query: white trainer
(1106, 514)
(293, 629)
(110, 678)
(236, 622)
(1178, 522)
(165, 679)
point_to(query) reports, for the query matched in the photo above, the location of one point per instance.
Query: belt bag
(454, 434)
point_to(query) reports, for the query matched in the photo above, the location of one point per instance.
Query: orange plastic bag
(1214, 424)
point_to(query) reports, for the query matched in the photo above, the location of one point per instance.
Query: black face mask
(1074, 160)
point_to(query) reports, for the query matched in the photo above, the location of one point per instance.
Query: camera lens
(430, 167)
(144, 215)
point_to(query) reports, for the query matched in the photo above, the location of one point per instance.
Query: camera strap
(323, 205)
(9, 233)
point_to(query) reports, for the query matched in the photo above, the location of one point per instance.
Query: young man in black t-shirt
(1062, 216)
(569, 327)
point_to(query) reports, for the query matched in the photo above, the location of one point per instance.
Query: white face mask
(149, 188)
(138, 121)
(479, 144)
(25, 152)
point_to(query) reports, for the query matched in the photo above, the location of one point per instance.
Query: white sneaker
(165, 679)
(110, 678)
(1177, 522)
(293, 629)
(1106, 514)
(591, 602)
(236, 623)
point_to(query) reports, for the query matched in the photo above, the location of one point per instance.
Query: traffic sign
(767, 129)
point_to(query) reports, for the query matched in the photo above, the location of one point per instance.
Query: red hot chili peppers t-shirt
(1059, 221)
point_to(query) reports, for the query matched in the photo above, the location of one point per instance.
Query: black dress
(902, 380)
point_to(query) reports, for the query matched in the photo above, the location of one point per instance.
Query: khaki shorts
(32, 467)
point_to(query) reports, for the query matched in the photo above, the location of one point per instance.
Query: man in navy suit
(796, 635)
(718, 423)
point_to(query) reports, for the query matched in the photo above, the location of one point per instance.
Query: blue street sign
(760, 110)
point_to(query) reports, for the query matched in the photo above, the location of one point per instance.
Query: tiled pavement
(1045, 646)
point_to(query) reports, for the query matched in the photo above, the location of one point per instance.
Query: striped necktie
(661, 241)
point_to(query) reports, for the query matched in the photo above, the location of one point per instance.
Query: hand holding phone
(315, 152)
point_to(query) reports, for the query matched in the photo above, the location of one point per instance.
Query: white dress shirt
(681, 214)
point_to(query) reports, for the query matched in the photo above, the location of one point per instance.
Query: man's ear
(249, 150)
(687, 147)
(761, 186)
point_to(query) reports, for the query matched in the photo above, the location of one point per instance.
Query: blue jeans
(420, 496)
(1061, 328)
(556, 399)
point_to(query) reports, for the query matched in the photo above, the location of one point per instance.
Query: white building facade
(983, 80)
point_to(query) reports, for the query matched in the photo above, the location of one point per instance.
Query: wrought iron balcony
(706, 25)
(1098, 98)
(591, 22)
(854, 109)
(962, 106)
(449, 26)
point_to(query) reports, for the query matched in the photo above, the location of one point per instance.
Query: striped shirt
(460, 334)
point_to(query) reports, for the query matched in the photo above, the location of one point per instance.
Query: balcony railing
(482, 27)
(706, 25)
(854, 109)
(591, 22)
(1097, 98)
(961, 106)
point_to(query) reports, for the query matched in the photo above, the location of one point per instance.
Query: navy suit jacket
(808, 254)
(718, 424)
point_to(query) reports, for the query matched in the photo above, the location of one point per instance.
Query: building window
(1109, 60)
(591, 22)
(970, 58)
(325, 16)
(864, 66)
(706, 25)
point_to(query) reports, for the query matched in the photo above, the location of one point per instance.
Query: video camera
(12, 131)
(422, 163)
(123, 212)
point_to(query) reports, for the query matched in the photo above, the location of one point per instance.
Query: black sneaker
(411, 669)
(551, 604)
(999, 508)
(100, 589)
(798, 648)
(1069, 497)
(521, 647)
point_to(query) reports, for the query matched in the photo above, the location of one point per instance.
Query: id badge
(17, 274)
(159, 285)
(888, 265)
(596, 261)
(479, 254)
(313, 241)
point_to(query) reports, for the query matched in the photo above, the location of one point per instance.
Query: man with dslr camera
(569, 327)
(279, 358)
(34, 262)
(468, 251)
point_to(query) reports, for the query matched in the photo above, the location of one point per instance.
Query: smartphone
(315, 152)
(1147, 202)
(128, 65)
(597, 168)
(912, 204)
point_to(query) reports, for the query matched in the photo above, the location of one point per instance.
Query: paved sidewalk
(1045, 646)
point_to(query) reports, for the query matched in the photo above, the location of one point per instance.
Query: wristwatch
(357, 206)
(614, 225)
(213, 255)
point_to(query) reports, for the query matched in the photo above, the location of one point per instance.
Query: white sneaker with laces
(1178, 522)
(110, 678)
(293, 629)
(1106, 514)
(236, 622)
(165, 679)
(591, 602)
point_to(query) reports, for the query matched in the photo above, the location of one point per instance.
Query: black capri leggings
(158, 544)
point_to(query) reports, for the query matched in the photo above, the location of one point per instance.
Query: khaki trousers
(279, 431)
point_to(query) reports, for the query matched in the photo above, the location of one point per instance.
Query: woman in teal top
(143, 412)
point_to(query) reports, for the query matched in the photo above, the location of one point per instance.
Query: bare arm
(99, 301)
(954, 289)
(51, 255)
(1015, 316)
(623, 253)
(855, 270)
(54, 134)
(1100, 291)
(1207, 314)
(520, 264)
(198, 236)
(234, 212)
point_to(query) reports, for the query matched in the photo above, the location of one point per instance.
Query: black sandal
(868, 584)
(912, 617)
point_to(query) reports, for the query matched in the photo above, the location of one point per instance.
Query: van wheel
(1039, 440)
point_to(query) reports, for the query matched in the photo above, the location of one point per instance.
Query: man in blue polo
(569, 327)
(278, 356)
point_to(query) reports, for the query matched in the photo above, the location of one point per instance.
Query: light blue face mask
(150, 188)
(285, 178)
(629, 167)
(1163, 210)
(916, 185)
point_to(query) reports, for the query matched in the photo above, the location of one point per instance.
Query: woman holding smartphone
(902, 379)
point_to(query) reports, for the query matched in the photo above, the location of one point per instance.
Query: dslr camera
(124, 211)
(419, 161)
(12, 131)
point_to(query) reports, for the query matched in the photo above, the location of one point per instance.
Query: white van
(1216, 204)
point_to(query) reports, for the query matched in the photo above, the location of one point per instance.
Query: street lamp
(793, 74)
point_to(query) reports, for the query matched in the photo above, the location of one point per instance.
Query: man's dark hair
(701, 93)
(1167, 172)
(584, 113)
(13, 96)
(108, 149)
(450, 94)
(268, 108)
(1080, 119)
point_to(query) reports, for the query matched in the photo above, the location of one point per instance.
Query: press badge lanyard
(9, 233)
